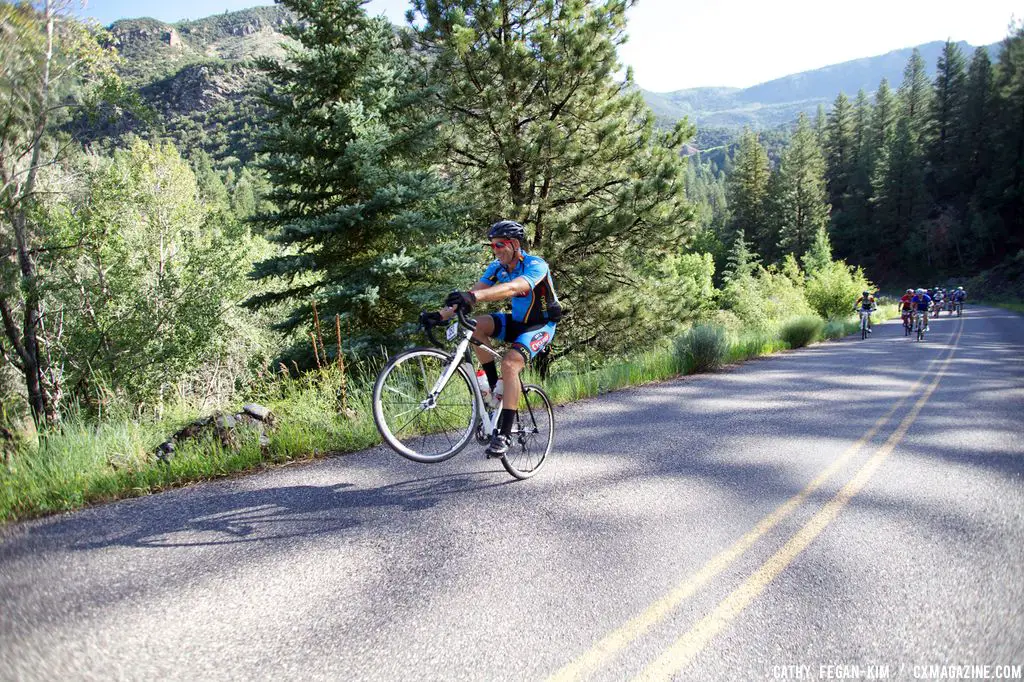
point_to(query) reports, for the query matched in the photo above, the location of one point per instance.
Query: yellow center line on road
(683, 651)
(613, 643)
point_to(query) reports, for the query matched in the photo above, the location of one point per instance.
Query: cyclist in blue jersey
(922, 302)
(529, 328)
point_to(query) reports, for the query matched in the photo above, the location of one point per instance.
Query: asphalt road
(856, 504)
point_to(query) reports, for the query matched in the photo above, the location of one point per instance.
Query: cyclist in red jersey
(906, 307)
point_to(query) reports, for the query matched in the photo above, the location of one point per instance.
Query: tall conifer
(840, 151)
(946, 137)
(543, 129)
(802, 205)
(747, 193)
(345, 148)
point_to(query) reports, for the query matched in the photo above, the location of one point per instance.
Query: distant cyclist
(958, 297)
(866, 303)
(922, 302)
(906, 307)
(529, 328)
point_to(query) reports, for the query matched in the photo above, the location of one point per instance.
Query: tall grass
(702, 349)
(802, 331)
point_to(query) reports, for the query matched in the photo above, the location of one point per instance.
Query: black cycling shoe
(499, 445)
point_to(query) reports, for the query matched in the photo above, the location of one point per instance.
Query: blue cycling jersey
(533, 306)
(921, 301)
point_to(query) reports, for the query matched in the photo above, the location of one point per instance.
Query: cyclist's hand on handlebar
(466, 299)
(430, 319)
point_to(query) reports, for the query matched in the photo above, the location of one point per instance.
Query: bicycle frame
(490, 421)
(489, 418)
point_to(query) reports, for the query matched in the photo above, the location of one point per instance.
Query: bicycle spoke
(395, 390)
(421, 426)
(404, 412)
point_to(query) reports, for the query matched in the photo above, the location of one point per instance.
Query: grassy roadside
(1015, 306)
(85, 463)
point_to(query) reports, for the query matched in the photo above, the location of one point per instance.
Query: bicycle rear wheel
(416, 423)
(532, 435)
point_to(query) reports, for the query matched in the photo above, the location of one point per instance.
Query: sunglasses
(499, 245)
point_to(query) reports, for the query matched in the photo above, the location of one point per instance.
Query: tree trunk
(33, 363)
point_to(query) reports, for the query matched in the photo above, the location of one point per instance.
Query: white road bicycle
(865, 322)
(919, 324)
(428, 407)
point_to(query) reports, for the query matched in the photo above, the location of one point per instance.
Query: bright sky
(676, 44)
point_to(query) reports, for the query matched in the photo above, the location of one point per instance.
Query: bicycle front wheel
(418, 421)
(532, 435)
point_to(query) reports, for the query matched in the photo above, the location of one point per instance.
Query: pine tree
(819, 255)
(883, 119)
(346, 140)
(820, 125)
(840, 151)
(900, 194)
(947, 134)
(856, 228)
(901, 203)
(979, 108)
(742, 262)
(1009, 161)
(915, 96)
(979, 159)
(802, 204)
(747, 193)
(542, 131)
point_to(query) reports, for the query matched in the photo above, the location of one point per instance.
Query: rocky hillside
(153, 50)
(196, 78)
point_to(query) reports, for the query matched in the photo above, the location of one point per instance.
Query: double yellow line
(683, 650)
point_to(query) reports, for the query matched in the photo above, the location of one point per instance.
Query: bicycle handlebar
(429, 326)
(463, 319)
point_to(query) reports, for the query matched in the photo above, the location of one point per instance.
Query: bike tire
(407, 423)
(532, 435)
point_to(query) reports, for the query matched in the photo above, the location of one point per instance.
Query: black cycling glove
(466, 299)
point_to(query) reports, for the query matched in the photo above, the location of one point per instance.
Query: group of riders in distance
(915, 307)
(428, 405)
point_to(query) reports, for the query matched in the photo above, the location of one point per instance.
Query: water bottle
(499, 391)
(485, 387)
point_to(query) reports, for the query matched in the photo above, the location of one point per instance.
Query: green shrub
(703, 348)
(833, 290)
(802, 331)
(836, 329)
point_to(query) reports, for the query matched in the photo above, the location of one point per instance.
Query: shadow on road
(232, 517)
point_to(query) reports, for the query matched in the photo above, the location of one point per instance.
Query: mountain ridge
(197, 75)
(780, 100)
